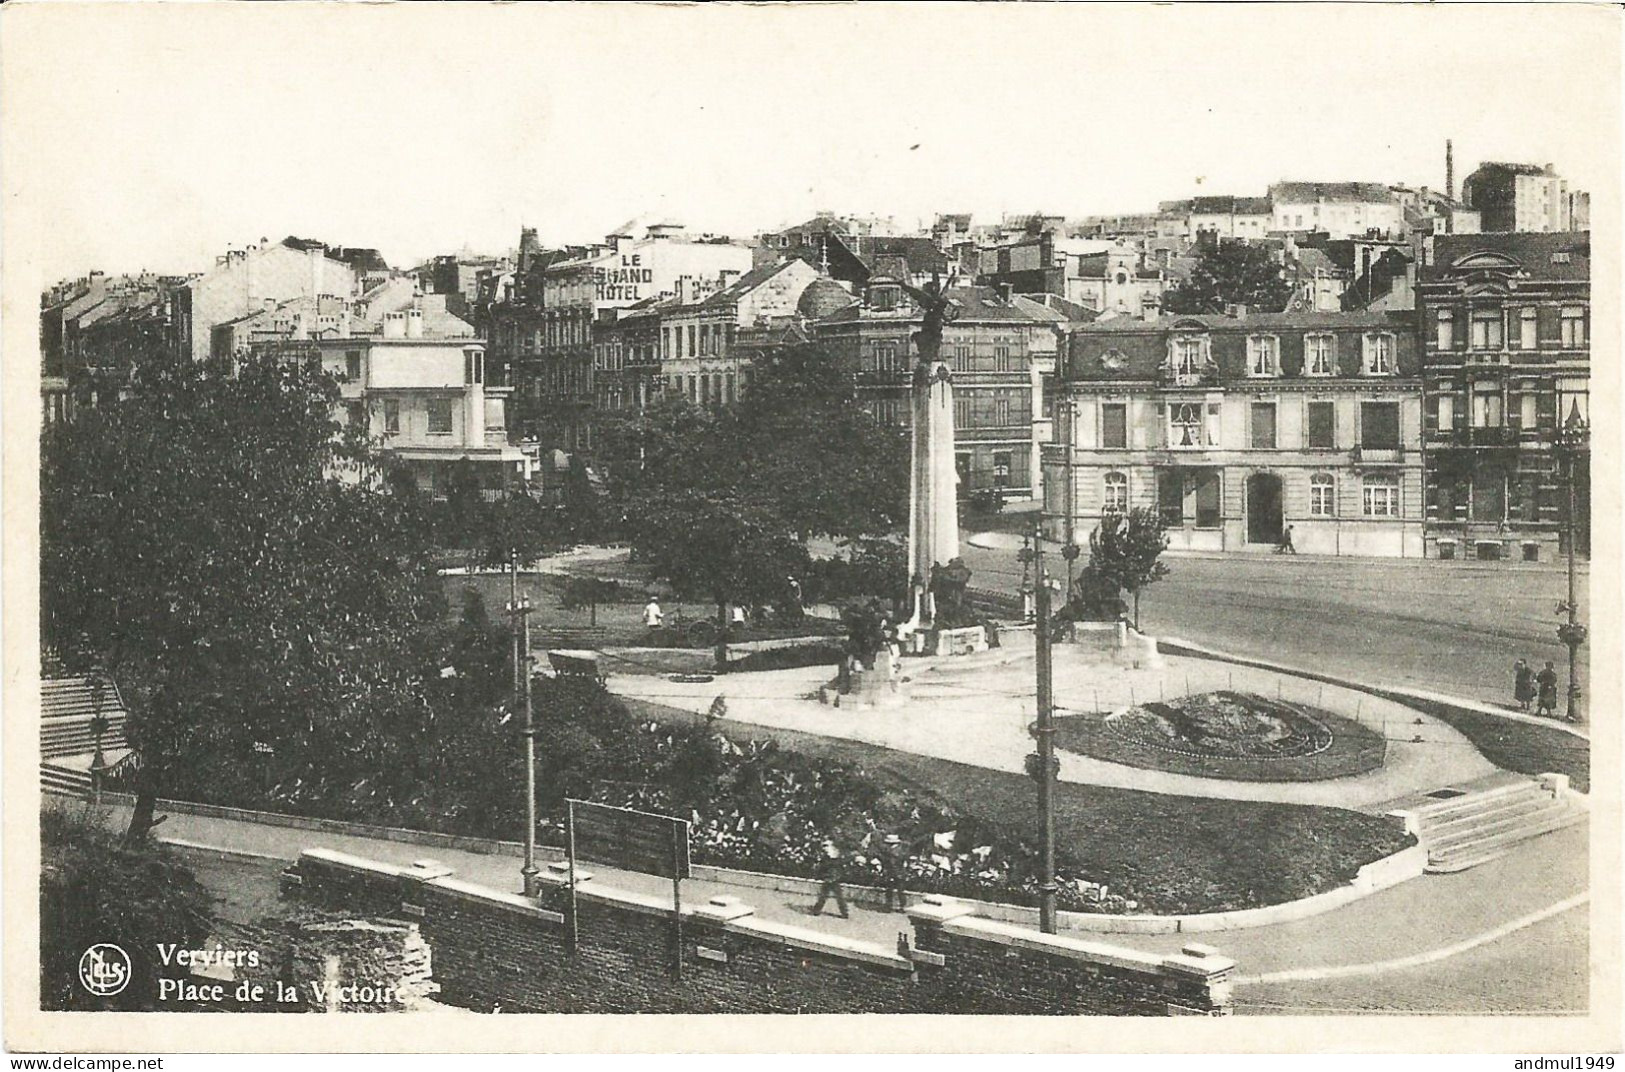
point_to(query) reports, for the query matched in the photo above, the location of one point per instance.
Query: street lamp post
(1571, 442)
(1042, 765)
(519, 608)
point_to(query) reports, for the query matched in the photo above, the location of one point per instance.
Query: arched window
(1116, 494)
(1321, 495)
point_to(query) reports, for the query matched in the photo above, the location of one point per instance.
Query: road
(1452, 627)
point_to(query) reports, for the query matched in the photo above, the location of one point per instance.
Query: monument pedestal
(861, 686)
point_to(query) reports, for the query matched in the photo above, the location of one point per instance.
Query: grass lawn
(1354, 749)
(1172, 854)
(1516, 746)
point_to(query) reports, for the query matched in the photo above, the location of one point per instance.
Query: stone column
(934, 478)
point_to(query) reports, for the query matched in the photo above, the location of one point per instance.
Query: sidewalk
(1429, 913)
(502, 872)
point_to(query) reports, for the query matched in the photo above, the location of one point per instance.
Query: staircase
(68, 708)
(1480, 824)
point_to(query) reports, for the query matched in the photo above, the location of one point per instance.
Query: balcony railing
(1366, 453)
(1206, 377)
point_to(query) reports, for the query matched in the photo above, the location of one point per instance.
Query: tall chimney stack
(1449, 170)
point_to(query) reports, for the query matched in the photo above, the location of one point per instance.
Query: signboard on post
(636, 841)
(633, 840)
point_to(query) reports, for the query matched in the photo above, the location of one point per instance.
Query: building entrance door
(1264, 508)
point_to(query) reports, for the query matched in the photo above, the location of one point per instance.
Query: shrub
(95, 889)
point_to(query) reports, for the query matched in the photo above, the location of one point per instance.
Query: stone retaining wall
(498, 950)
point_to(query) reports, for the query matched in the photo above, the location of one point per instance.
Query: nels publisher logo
(104, 970)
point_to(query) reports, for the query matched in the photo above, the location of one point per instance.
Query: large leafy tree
(222, 546)
(1125, 553)
(720, 502)
(1231, 273)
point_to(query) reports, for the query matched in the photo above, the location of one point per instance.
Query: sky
(155, 136)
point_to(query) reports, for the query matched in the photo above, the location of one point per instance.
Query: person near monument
(1547, 679)
(829, 879)
(1523, 684)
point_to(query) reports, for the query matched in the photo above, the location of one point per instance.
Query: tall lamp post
(519, 608)
(1042, 765)
(1572, 438)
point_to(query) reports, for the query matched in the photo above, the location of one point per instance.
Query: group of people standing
(1540, 689)
(832, 863)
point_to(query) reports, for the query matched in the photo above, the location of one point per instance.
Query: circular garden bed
(1225, 734)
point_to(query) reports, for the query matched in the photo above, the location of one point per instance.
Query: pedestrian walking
(895, 859)
(1523, 684)
(1285, 546)
(829, 879)
(1547, 680)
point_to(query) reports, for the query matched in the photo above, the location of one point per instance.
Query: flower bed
(1228, 735)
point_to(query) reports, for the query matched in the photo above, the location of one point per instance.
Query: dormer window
(1187, 358)
(1263, 355)
(1379, 353)
(883, 299)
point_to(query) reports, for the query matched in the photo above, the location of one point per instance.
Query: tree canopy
(224, 547)
(1231, 273)
(720, 502)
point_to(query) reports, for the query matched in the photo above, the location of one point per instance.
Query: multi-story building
(1235, 428)
(1225, 216)
(415, 379)
(1524, 197)
(1340, 209)
(242, 281)
(990, 346)
(554, 379)
(1506, 324)
(1106, 276)
(700, 356)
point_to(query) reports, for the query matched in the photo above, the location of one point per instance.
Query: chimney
(1449, 170)
(414, 323)
(394, 325)
(1006, 292)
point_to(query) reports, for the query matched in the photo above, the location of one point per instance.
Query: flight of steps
(68, 708)
(1476, 827)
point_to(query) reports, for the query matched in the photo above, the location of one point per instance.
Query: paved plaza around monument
(976, 710)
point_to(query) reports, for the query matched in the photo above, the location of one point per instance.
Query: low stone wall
(494, 950)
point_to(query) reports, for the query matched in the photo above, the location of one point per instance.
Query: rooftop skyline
(188, 129)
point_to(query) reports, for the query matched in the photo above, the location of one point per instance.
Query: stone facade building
(990, 345)
(1236, 427)
(554, 378)
(1524, 197)
(1506, 324)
